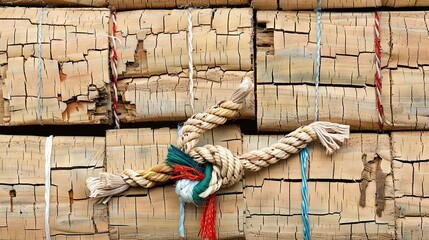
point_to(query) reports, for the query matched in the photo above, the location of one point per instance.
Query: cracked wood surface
(153, 61)
(405, 59)
(286, 52)
(75, 66)
(411, 177)
(140, 4)
(126, 4)
(143, 214)
(22, 188)
(334, 4)
(57, 3)
(273, 195)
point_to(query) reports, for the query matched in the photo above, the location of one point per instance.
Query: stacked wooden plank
(72, 86)
(411, 177)
(127, 5)
(153, 61)
(273, 195)
(286, 54)
(22, 188)
(336, 4)
(154, 214)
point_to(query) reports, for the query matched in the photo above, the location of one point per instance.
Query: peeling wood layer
(144, 214)
(22, 188)
(273, 195)
(286, 52)
(153, 61)
(75, 66)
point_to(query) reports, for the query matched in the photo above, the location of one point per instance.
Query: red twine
(378, 71)
(208, 220)
(114, 58)
(185, 172)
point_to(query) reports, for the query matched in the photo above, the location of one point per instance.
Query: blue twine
(303, 155)
(182, 218)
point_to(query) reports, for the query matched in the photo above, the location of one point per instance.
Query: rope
(219, 166)
(304, 152)
(303, 155)
(114, 59)
(39, 67)
(48, 151)
(378, 71)
(190, 60)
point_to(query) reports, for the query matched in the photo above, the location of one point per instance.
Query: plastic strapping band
(48, 152)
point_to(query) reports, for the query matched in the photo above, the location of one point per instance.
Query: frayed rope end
(105, 186)
(331, 135)
(242, 91)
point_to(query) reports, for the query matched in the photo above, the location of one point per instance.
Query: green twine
(203, 185)
(177, 156)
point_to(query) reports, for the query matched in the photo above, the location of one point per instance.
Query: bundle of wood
(358, 175)
(154, 214)
(286, 56)
(22, 188)
(127, 5)
(54, 66)
(153, 61)
(335, 4)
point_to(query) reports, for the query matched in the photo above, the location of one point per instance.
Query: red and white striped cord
(378, 71)
(114, 58)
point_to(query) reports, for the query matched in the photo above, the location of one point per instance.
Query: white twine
(190, 62)
(39, 67)
(318, 55)
(48, 151)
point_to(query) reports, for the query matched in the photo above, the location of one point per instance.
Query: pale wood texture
(153, 61)
(411, 178)
(405, 3)
(273, 195)
(140, 4)
(128, 5)
(312, 4)
(58, 3)
(333, 4)
(405, 77)
(143, 214)
(22, 204)
(75, 68)
(286, 56)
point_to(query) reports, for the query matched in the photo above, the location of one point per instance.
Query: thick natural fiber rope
(108, 184)
(227, 168)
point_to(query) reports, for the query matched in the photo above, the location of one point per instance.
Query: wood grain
(287, 5)
(273, 195)
(153, 61)
(411, 177)
(141, 4)
(22, 202)
(143, 214)
(127, 5)
(75, 66)
(286, 56)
